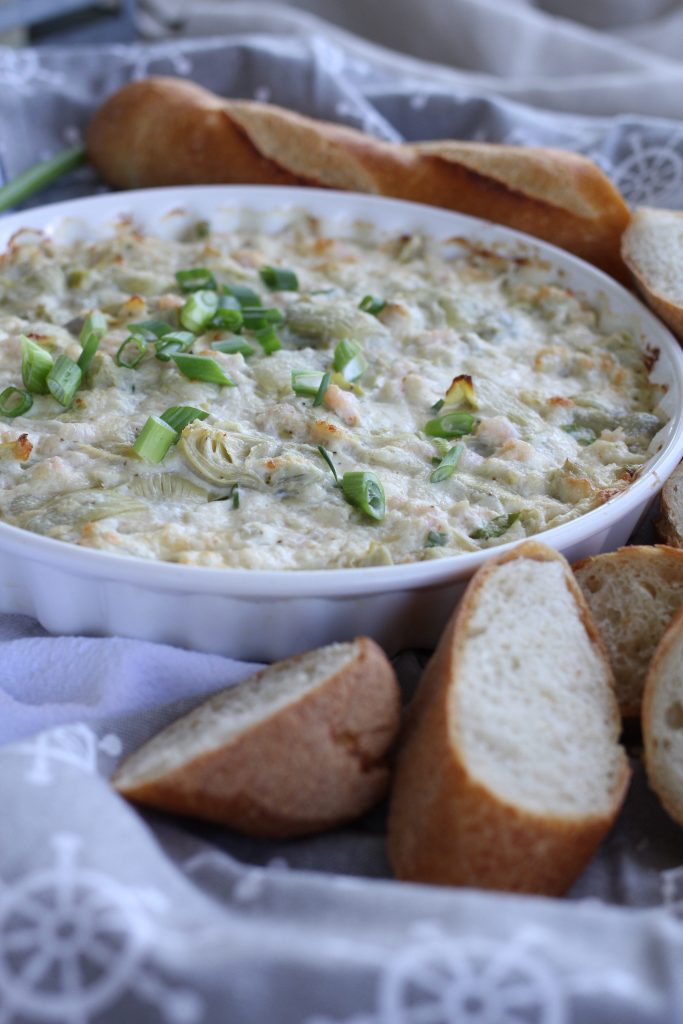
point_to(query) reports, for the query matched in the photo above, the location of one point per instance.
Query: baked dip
(290, 400)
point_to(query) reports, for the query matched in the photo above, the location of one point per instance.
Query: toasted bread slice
(632, 594)
(298, 748)
(663, 720)
(669, 526)
(511, 772)
(652, 248)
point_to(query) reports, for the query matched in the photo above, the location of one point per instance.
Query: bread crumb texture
(663, 720)
(233, 712)
(653, 247)
(632, 594)
(530, 711)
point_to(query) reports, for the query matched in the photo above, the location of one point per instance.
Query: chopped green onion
(131, 352)
(322, 390)
(37, 177)
(150, 330)
(199, 310)
(244, 295)
(448, 464)
(232, 345)
(227, 317)
(36, 364)
(64, 380)
(453, 424)
(236, 496)
(371, 304)
(268, 340)
(174, 341)
(202, 368)
(583, 435)
(365, 491)
(92, 332)
(349, 360)
(328, 459)
(438, 405)
(442, 446)
(256, 317)
(178, 416)
(306, 383)
(279, 279)
(496, 527)
(154, 440)
(202, 229)
(14, 402)
(436, 539)
(196, 279)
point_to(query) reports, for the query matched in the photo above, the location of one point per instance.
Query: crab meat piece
(515, 450)
(496, 431)
(170, 301)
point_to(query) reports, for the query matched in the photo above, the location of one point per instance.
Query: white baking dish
(264, 615)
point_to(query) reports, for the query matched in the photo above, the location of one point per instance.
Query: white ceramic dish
(265, 615)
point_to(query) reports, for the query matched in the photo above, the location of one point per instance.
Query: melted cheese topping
(562, 412)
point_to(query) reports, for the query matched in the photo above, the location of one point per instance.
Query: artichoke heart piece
(212, 454)
(169, 487)
(77, 508)
(330, 321)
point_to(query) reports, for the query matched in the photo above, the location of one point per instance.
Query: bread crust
(167, 131)
(671, 800)
(445, 827)
(670, 312)
(318, 762)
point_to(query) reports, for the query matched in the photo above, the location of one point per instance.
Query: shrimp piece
(344, 404)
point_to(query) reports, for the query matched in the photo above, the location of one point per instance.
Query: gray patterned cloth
(109, 915)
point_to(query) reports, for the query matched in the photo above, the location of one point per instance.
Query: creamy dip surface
(555, 410)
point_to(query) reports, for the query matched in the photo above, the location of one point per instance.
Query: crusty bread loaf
(663, 720)
(167, 131)
(510, 772)
(632, 594)
(652, 249)
(298, 748)
(669, 525)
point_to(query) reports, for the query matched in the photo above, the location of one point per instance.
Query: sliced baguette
(632, 594)
(511, 772)
(652, 248)
(166, 131)
(669, 526)
(298, 748)
(662, 720)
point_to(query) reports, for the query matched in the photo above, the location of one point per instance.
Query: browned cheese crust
(447, 828)
(315, 764)
(166, 131)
